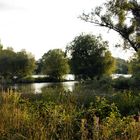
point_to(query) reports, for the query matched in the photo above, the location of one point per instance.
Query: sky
(40, 25)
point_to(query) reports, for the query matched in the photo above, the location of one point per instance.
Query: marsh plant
(58, 115)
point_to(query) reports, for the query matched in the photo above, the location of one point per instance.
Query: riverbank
(106, 82)
(57, 114)
(30, 79)
(40, 80)
(46, 79)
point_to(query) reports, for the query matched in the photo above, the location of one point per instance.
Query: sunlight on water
(114, 76)
(36, 88)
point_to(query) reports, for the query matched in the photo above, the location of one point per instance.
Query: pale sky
(41, 25)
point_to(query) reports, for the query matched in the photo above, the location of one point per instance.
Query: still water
(36, 88)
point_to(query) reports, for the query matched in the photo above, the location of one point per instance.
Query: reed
(25, 117)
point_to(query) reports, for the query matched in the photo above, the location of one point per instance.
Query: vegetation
(121, 16)
(135, 65)
(101, 108)
(122, 66)
(90, 57)
(55, 64)
(15, 65)
(66, 116)
(39, 66)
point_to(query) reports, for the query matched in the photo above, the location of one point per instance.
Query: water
(66, 77)
(36, 88)
(114, 76)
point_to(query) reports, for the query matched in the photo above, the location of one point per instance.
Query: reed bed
(57, 115)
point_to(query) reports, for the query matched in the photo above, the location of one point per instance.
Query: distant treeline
(87, 57)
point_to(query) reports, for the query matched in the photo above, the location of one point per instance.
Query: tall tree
(24, 64)
(134, 69)
(122, 16)
(7, 57)
(121, 66)
(135, 65)
(90, 56)
(18, 64)
(55, 64)
(39, 66)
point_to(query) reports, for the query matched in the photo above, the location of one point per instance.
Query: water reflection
(36, 88)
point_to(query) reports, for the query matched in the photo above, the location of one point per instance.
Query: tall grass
(58, 115)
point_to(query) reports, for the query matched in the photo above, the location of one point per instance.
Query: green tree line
(86, 56)
(15, 64)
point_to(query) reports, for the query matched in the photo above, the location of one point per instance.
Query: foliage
(6, 63)
(127, 102)
(121, 16)
(25, 64)
(134, 68)
(122, 83)
(39, 66)
(121, 66)
(104, 108)
(90, 56)
(55, 64)
(135, 65)
(33, 117)
(13, 64)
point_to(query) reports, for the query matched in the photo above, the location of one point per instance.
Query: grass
(57, 114)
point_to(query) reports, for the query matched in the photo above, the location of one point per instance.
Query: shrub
(57, 114)
(121, 83)
(127, 102)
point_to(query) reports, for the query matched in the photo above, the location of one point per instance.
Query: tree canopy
(134, 69)
(90, 56)
(55, 64)
(135, 65)
(121, 66)
(39, 66)
(122, 16)
(13, 64)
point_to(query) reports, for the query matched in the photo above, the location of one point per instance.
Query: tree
(121, 66)
(6, 63)
(135, 65)
(13, 64)
(24, 64)
(122, 16)
(39, 66)
(90, 56)
(55, 64)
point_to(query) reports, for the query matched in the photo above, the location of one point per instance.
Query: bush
(121, 83)
(135, 82)
(57, 114)
(105, 82)
(127, 102)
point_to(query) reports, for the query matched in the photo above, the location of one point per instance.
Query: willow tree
(122, 16)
